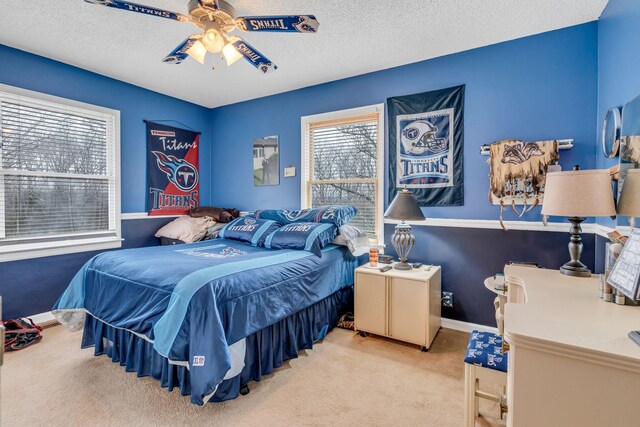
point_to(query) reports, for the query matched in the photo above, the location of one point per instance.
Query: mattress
(197, 303)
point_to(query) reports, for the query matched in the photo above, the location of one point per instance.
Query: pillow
(213, 231)
(250, 230)
(353, 238)
(187, 229)
(307, 236)
(218, 214)
(336, 215)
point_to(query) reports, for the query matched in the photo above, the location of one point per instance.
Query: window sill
(39, 250)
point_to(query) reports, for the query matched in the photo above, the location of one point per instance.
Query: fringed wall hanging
(518, 171)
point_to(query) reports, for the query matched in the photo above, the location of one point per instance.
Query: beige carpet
(345, 380)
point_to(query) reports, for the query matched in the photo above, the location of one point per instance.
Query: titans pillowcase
(307, 236)
(250, 230)
(336, 215)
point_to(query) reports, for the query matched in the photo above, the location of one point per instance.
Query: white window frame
(305, 121)
(67, 246)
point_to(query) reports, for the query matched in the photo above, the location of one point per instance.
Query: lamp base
(403, 265)
(402, 241)
(575, 269)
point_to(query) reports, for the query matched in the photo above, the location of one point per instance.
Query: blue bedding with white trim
(193, 302)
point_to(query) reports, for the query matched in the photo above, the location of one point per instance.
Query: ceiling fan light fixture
(213, 41)
(215, 19)
(197, 52)
(230, 53)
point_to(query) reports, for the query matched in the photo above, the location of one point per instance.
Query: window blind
(341, 167)
(57, 171)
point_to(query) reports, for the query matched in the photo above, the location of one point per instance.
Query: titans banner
(426, 138)
(172, 162)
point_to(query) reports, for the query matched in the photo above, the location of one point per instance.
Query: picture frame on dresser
(625, 275)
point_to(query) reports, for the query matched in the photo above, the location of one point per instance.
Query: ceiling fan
(217, 19)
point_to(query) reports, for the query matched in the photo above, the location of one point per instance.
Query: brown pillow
(235, 213)
(217, 214)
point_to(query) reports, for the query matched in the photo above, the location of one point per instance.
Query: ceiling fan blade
(289, 24)
(254, 57)
(179, 54)
(147, 10)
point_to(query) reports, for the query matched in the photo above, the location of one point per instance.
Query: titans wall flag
(172, 164)
(426, 139)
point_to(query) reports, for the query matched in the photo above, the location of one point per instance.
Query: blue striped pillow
(337, 215)
(250, 230)
(307, 236)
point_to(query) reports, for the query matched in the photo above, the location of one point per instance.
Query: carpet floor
(345, 380)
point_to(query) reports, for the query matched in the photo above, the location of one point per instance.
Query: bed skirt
(267, 349)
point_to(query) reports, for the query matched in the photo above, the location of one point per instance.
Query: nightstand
(399, 304)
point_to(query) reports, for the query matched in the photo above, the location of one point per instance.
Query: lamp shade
(578, 193)
(404, 207)
(629, 203)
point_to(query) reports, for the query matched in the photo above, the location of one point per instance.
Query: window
(342, 159)
(59, 186)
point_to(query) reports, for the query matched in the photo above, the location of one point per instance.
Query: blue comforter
(193, 302)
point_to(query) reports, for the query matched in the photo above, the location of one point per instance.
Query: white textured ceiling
(355, 37)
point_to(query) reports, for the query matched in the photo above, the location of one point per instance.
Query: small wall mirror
(266, 163)
(611, 133)
(629, 153)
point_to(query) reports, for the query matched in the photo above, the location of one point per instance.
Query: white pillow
(186, 228)
(353, 238)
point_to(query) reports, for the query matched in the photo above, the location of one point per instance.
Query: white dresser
(400, 304)
(570, 360)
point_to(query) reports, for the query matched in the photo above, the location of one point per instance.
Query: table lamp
(578, 194)
(404, 208)
(629, 203)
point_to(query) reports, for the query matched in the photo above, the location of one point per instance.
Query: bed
(207, 317)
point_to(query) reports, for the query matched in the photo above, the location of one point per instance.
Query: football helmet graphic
(266, 68)
(306, 24)
(172, 59)
(419, 137)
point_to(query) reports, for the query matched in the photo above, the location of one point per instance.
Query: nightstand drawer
(408, 305)
(371, 303)
(400, 304)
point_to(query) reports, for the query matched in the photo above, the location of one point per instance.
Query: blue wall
(27, 71)
(469, 255)
(618, 60)
(32, 286)
(539, 87)
(618, 76)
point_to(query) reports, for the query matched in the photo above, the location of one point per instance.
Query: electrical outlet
(447, 299)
